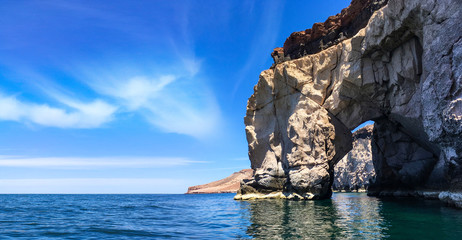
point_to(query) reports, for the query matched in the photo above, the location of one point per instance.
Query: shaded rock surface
(226, 185)
(354, 170)
(402, 70)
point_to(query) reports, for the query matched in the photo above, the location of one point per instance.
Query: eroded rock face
(403, 70)
(355, 170)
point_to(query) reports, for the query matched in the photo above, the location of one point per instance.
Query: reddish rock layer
(227, 185)
(334, 30)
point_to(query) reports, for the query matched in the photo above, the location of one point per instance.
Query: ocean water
(218, 216)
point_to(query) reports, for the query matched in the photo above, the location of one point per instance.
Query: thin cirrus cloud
(80, 115)
(94, 162)
(163, 85)
(137, 91)
(176, 103)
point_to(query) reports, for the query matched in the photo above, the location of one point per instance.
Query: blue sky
(133, 96)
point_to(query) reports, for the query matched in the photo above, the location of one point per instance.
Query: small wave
(31, 224)
(127, 232)
(129, 207)
(157, 207)
(56, 234)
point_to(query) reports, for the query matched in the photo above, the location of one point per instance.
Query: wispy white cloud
(193, 112)
(192, 65)
(79, 115)
(93, 185)
(178, 103)
(94, 163)
(133, 93)
(165, 85)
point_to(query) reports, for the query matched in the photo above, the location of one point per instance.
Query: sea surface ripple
(218, 216)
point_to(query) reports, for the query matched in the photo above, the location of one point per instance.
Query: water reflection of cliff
(345, 216)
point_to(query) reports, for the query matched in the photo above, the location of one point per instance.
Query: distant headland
(227, 185)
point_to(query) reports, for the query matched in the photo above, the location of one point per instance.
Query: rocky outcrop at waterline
(402, 70)
(226, 185)
(351, 173)
(355, 170)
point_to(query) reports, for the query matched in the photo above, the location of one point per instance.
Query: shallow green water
(218, 216)
(354, 216)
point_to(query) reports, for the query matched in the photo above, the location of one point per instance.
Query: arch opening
(355, 171)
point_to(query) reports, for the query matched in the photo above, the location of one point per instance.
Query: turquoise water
(217, 216)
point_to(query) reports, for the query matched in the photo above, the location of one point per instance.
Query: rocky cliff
(402, 70)
(226, 185)
(355, 170)
(331, 32)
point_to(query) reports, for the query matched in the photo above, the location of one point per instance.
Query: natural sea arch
(400, 72)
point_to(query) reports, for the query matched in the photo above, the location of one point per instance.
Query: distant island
(227, 185)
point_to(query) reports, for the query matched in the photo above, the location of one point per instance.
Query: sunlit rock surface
(402, 70)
